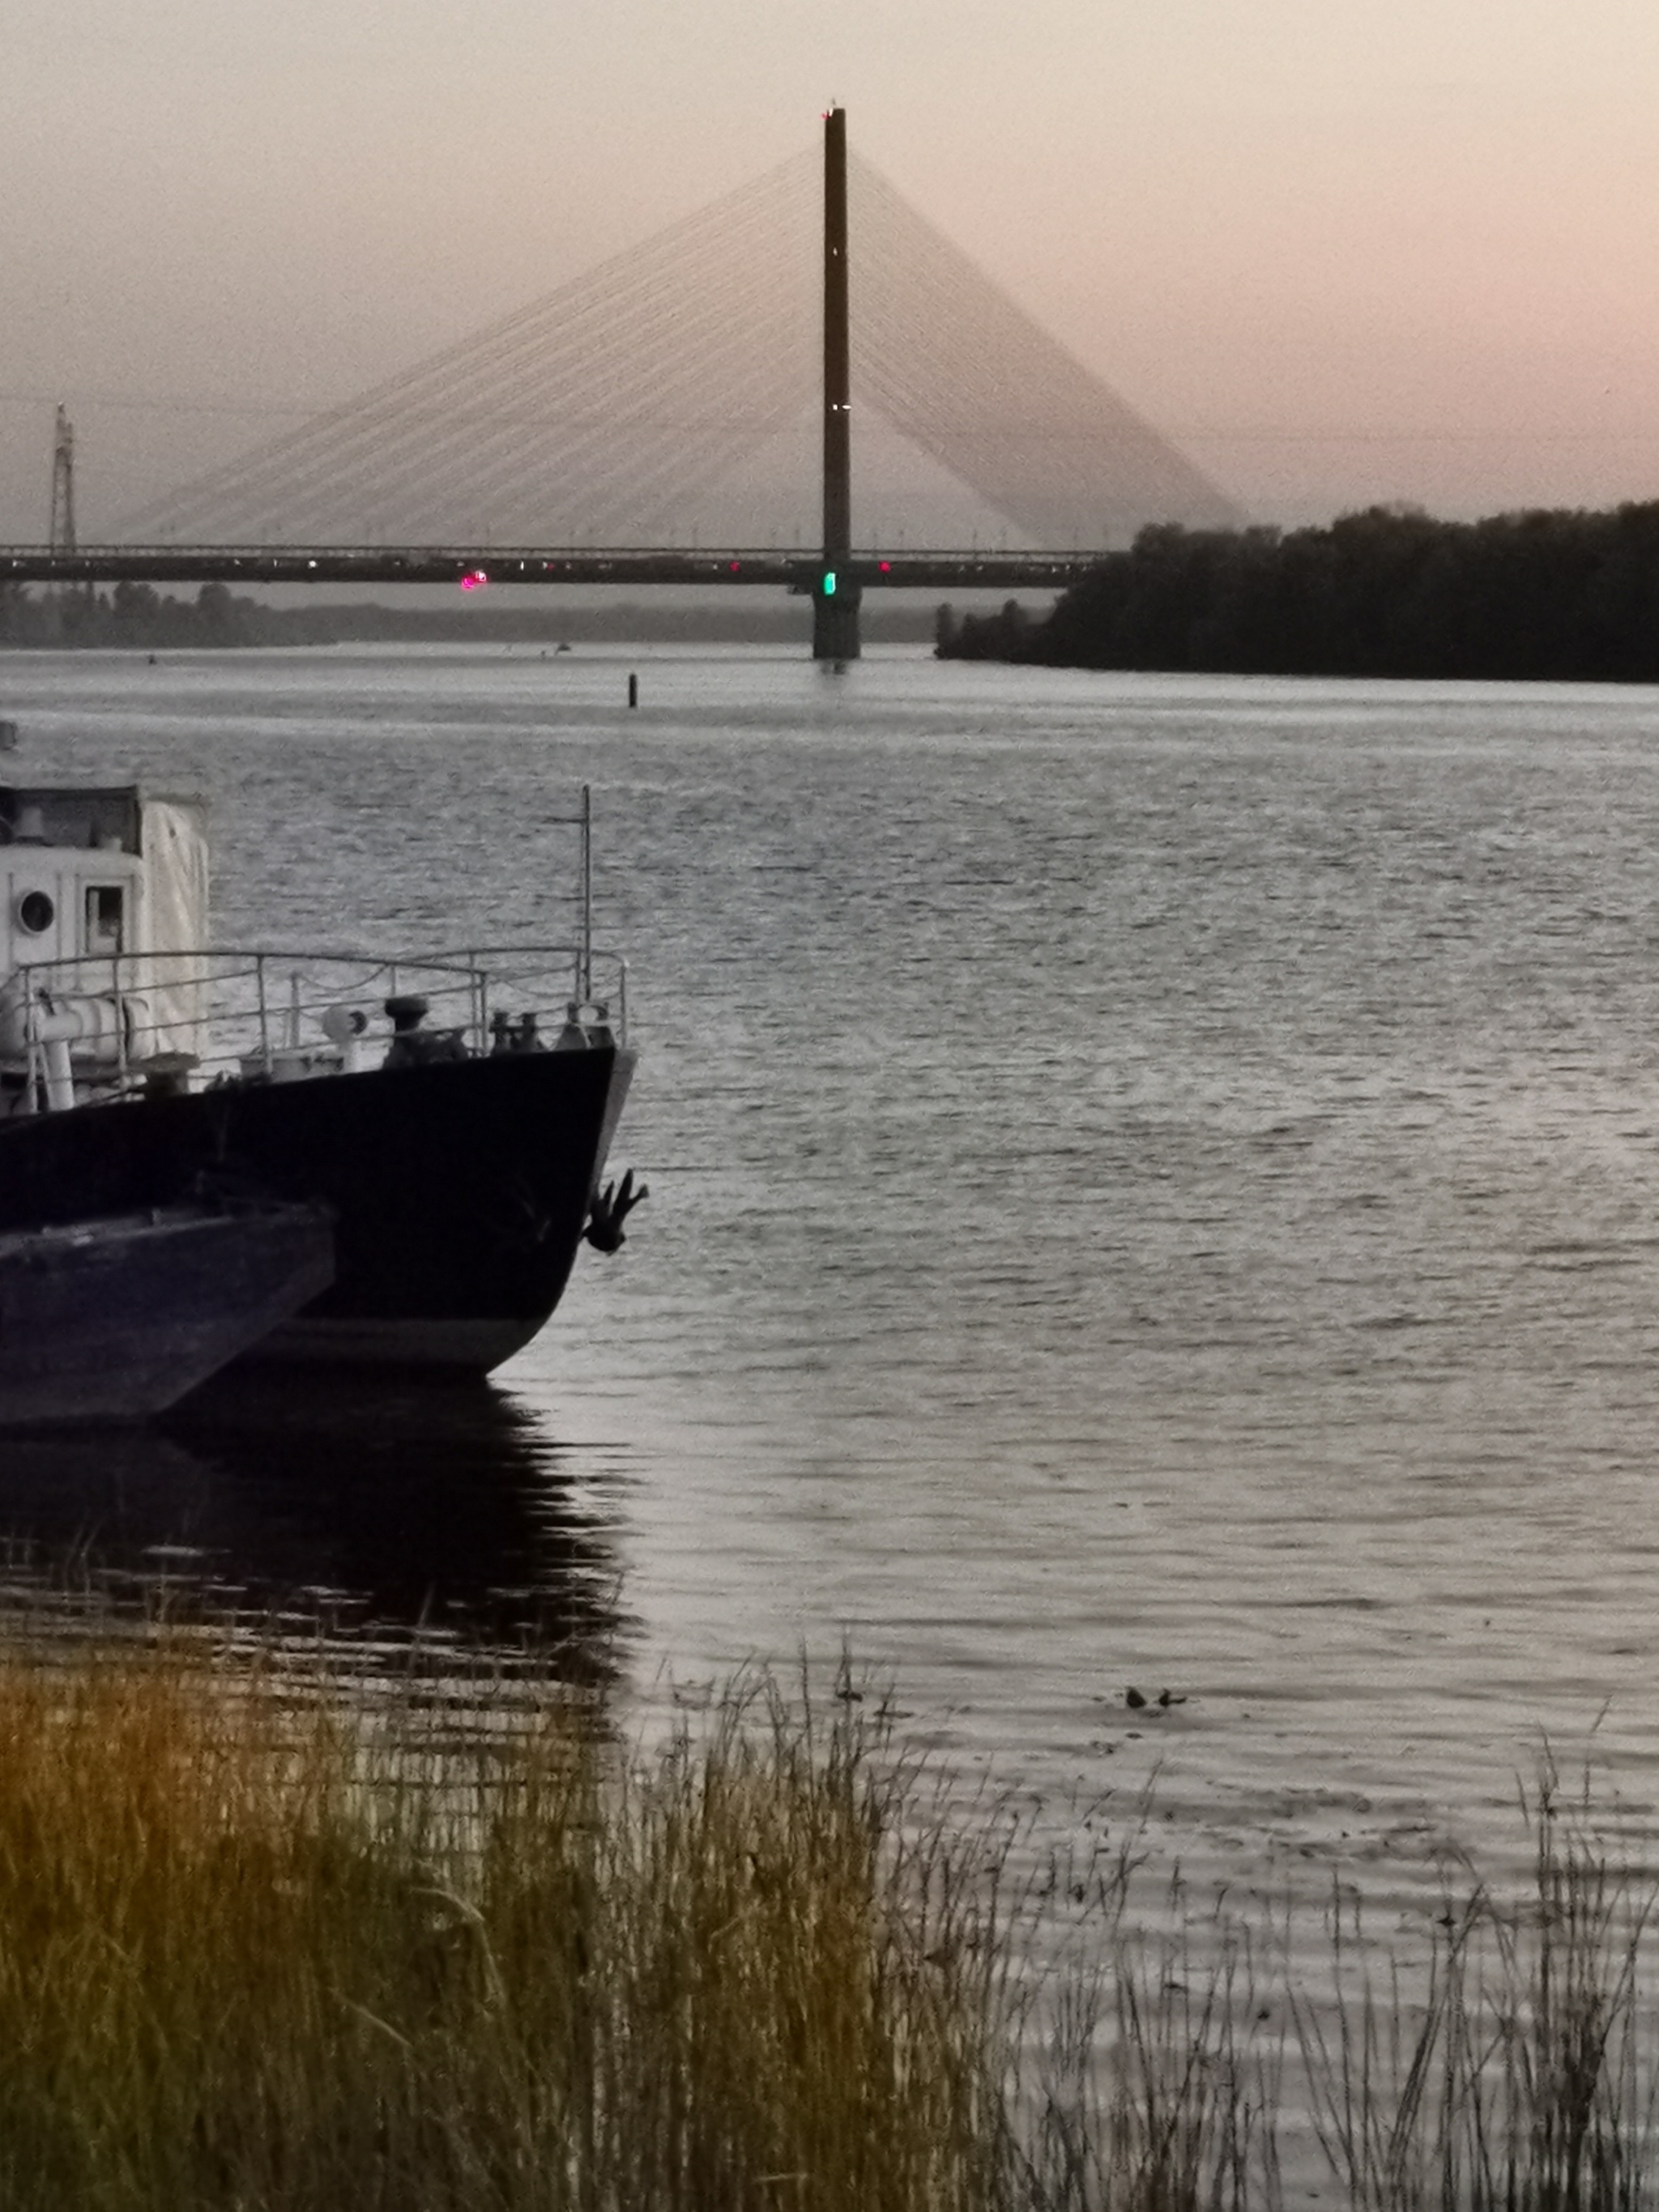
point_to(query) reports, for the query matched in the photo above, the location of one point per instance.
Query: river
(1152, 1183)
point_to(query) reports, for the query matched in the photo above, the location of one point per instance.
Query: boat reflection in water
(365, 1517)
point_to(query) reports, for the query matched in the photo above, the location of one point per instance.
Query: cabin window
(104, 910)
(35, 913)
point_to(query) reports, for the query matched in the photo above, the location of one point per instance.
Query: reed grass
(1518, 2069)
(257, 1954)
(1505, 2060)
(276, 1944)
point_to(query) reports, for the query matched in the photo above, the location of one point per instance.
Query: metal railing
(113, 1022)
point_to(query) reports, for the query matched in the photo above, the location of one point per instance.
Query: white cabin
(100, 877)
(85, 873)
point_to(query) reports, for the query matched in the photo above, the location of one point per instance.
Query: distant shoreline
(134, 617)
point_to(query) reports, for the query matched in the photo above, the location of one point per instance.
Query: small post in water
(633, 690)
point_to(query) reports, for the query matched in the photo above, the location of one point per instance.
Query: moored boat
(117, 1318)
(453, 1112)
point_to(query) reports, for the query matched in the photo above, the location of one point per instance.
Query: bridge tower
(836, 594)
(61, 538)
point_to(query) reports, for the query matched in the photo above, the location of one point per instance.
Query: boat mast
(584, 822)
(588, 894)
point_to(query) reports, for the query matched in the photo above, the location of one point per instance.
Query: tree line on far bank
(1542, 596)
(132, 615)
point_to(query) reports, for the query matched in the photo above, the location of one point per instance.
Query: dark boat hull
(118, 1319)
(459, 1189)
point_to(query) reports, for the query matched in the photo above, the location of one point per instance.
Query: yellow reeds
(262, 1952)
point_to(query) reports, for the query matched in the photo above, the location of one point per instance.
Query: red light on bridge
(733, 566)
(474, 580)
(886, 567)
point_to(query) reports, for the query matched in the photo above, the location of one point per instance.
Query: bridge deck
(442, 564)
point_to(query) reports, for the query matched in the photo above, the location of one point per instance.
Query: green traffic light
(829, 583)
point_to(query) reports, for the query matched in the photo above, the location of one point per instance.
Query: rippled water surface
(1153, 1182)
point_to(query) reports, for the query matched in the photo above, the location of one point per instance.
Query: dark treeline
(1540, 596)
(139, 618)
(131, 615)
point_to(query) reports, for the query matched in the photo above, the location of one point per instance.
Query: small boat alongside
(452, 1111)
(117, 1319)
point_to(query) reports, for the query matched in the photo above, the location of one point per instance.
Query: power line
(178, 404)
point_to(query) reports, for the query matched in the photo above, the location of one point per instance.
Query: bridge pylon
(835, 594)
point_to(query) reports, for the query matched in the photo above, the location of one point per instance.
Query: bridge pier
(835, 596)
(835, 617)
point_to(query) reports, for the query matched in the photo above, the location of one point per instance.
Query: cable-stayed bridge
(589, 436)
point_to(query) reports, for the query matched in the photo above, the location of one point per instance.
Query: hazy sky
(1340, 252)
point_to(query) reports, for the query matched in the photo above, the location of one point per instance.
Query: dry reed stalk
(1158, 2062)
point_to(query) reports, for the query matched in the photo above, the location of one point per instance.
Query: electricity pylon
(62, 536)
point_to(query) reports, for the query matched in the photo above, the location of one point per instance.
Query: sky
(1338, 251)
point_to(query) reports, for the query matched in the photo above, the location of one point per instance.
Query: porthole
(36, 913)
